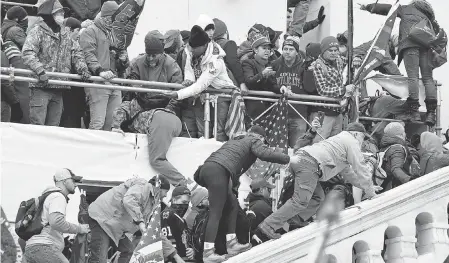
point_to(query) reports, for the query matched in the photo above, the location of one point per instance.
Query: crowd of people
(204, 221)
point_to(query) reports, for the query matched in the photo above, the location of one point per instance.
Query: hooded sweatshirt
(291, 76)
(396, 158)
(12, 31)
(203, 21)
(213, 74)
(432, 156)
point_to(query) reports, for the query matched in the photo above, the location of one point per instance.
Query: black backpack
(29, 216)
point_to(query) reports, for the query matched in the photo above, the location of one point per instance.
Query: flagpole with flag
(378, 48)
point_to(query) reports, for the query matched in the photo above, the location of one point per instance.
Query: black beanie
(73, 23)
(16, 12)
(153, 45)
(198, 37)
(313, 50)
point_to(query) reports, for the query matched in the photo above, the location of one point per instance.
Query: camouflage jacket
(128, 109)
(46, 51)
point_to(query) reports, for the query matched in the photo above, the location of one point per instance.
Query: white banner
(30, 154)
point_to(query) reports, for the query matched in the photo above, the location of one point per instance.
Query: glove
(321, 15)
(187, 83)
(16, 112)
(85, 75)
(43, 79)
(107, 75)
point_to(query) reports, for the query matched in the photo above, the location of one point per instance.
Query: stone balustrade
(408, 224)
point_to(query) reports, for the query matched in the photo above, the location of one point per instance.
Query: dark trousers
(22, 90)
(100, 243)
(416, 59)
(242, 230)
(221, 199)
(74, 101)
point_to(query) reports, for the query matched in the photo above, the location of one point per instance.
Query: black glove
(85, 75)
(321, 15)
(43, 79)
(16, 112)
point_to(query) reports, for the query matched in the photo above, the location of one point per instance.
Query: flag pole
(350, 55)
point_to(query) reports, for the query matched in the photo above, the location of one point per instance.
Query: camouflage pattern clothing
(46, 51)
(127, 110)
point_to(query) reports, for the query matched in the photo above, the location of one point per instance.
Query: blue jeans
(297, 127)
(100, 243)
(299, 18)
(46, 106)
(307, 195)
(102, 104)
(414, 60)
(44, 254)
(222, 116)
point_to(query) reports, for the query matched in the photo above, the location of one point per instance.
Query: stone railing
(408, 224)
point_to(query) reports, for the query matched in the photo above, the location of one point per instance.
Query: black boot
(431, 115)
(411, 111)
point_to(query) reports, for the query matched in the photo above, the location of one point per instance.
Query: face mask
(23, 24)
(180, 209)
(59, 19)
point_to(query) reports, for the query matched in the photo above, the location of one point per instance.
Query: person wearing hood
(397, 152)
(235, 71)
(259, 201)
(174, 227)
(125, 208)
(275, 42)
(259, 74)
(219, 173)
(202, 65)
(102, 61)
(199, 202)
(173, 43)
(320, 162)
(49, 48)
(416, 56)
(299, 26)
(288, 70)
(49, 244)
(245, 49)
(14, 29)
(432, 155)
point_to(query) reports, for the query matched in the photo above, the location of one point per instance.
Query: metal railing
(15, 74)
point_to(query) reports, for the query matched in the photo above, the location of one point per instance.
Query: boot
(431, 115)
(268, 231)
(209, 256)
(411, 111)
(234, 247)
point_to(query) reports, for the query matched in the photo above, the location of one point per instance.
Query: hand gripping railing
(156, 87)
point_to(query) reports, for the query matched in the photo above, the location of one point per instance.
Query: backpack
(411, 165)
(29, 216)
(198, 231)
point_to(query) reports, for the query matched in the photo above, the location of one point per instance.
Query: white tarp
(30, 154)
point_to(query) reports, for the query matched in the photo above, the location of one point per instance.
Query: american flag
(378, 49)
(149, 249)
(275, 125)
(235, 123)
(124, 22)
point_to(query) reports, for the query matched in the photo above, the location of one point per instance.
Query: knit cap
(220, 28)
(198, 37)
(356, 127)
(313, 50)
(258, 40)
(395, 129)
(153, 45)
(199, 195)
(328, 42)
(109, 8)
(16, 12)
(292, 41)
(73, 23)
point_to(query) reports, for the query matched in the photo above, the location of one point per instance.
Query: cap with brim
(170, 37)
(180, 190)
(156, 34)
(65, 174)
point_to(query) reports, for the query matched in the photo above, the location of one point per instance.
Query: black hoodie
(261, 206)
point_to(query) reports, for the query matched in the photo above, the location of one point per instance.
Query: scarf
(105, 25)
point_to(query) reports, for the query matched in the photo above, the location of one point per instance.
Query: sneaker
(209, 256)
(234, 247)
(268, 231)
